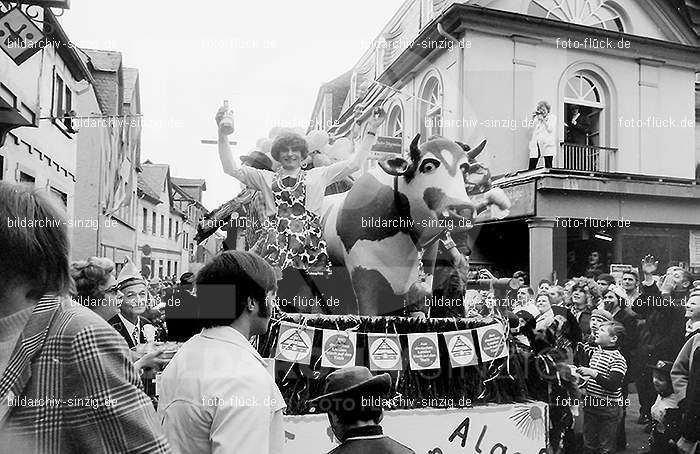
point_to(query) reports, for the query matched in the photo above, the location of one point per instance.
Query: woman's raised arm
(373, 123)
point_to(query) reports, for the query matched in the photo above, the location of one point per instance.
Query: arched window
(430, 108)
(582, 89)
(395, 122)
(592, 13)
(589, 119)
(585, 91)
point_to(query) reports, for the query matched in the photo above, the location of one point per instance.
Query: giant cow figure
(378, 227)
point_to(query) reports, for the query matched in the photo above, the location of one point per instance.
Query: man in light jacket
(216, 395)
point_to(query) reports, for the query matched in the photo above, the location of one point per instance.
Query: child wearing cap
(665, 413)
(603, 403)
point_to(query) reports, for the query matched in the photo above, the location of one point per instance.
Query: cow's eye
(429, 165)
(465, 168)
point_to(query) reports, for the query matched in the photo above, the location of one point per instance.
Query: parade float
(461, 376)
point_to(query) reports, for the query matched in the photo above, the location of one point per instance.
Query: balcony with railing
(589, 158)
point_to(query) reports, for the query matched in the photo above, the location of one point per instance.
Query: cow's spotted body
(382, 261)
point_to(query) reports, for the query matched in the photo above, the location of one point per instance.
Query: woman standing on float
(292, 238)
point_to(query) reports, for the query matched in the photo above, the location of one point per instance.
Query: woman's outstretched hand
(219, 116)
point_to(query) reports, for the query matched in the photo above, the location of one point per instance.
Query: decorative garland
(455, 379)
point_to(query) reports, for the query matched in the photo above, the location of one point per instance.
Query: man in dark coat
(686, 378)
(129, 322)
(578, 127)
(661, 333)
(355, 424)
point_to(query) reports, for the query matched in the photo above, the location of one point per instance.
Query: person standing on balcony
(542, 142)
(577, 127)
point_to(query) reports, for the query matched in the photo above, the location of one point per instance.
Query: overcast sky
(267, 57)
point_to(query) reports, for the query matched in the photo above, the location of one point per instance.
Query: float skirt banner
(423, 351)
(460, 346)
(294, 343)
(384, 352)
(499, 429)
(338, 348)
(492, 342)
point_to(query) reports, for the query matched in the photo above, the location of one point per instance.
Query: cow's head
(434, 176)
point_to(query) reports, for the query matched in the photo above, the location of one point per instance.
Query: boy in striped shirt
(603, 403)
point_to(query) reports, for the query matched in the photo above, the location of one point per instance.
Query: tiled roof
(144, 188)
(190, 182)
(129, 76)
(154, 175)
(104, 60)
(104, 66)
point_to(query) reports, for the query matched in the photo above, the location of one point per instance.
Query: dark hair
(606, 278)
(545, 281)
(289, 140)
(187, 278)
(349, 409)
(633, 273)
(90, 277)
(543, 294)
(348, 418)
(36, 255)
(223, 286)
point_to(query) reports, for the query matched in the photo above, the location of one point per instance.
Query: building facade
(188, 193)
(109, 148)
(475, 70)
(161, 225)
(38, 144)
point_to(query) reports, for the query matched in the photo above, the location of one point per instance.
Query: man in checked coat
(67, 384)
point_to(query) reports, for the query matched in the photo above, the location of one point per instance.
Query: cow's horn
(472, 154)
(415, 152)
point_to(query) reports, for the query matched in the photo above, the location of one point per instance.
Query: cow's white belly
(395, 258)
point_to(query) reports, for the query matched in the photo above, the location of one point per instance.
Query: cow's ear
(394, 166)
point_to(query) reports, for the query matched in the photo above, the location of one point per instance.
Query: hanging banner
(423, 351)
(20, 38)
(338, 348)
(495, 429)
(294, 343)
(384, 352)
(492, 342)
(386, 148)
(460, 347)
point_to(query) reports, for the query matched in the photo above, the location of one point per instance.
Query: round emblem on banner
(461, 349)
(492, 343)
(295, 344)
(339, 350)
(424, 351)
(384, 352)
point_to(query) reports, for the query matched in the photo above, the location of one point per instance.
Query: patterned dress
(293, 237)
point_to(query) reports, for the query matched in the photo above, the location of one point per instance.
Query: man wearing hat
(350, 398)
(129, 322)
